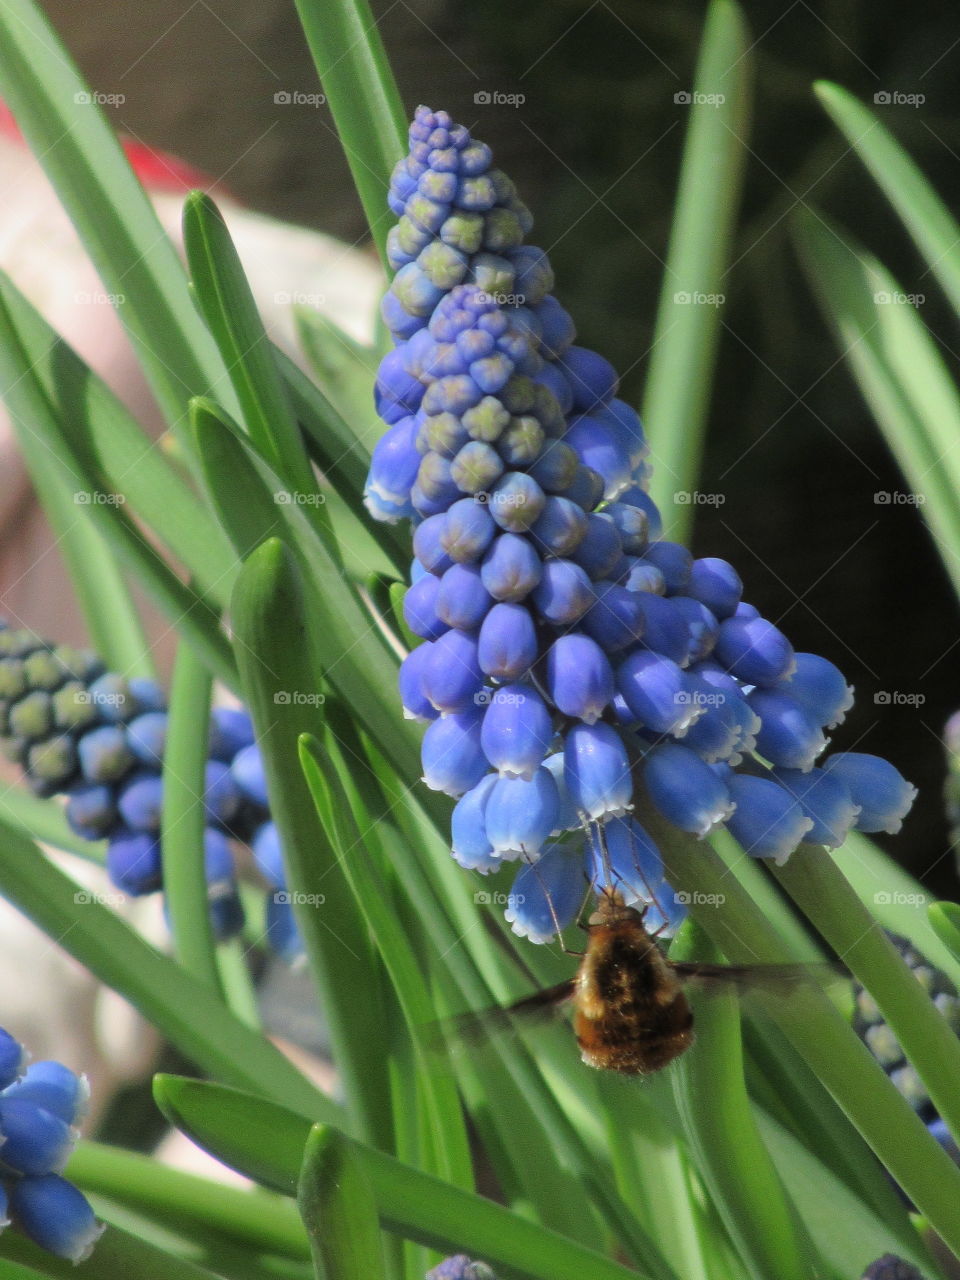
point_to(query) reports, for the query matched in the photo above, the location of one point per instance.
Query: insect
(631, 1013)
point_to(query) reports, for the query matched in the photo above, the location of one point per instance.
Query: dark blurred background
(595, 149)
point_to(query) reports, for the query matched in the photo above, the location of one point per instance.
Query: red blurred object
(157, 170)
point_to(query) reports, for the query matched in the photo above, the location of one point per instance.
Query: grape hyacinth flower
(99, 739)
(573, 661)
(41, 1107)
(460, 1267)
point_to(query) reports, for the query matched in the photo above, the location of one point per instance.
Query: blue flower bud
(637, 573)
(507, 645)
(615, 619)
(416, 704)
(754, 650)
(268, 854)
(249, 774)
(665, 628)
(546, 893)
(140, 801)
(586, 488)
(702, 627)
(511, 568)
(218, 861)
(413, 288)
(147, 737)
(231, 729)
(393, 470)
(477, 467)
(819, 686)
(767, 822)
(487, 420)
(460, 1267)
(427, 545)
(91, 811)
(579, 677)
(881, 791)
(516, 501)
(674, 562)
(13, 1058)
(114, 698)
(133, 862)
(470, 846)
(55, 1216)
(534, 278)
(560, 527)
(280, 927)
(567, 817)
(452, 757)
(468, 531)
(826, 800)
(659, 694)
(221, 795)
(397, 393)
(462, 600)
(420, 608)
(637, 497)
(451, 673)
(34, 1140)
(631, 864)
(435, 487)
(104, 754)
(788, 735)
(520, 815)
(517, 730)
(564, 592)
(685, 790)
(716, 584)
(54, 1088)
(727, 729)
(600, 446)
(597, 771)
(626, 422)
(600, 548)
(592, 377)
(632, 524)
(557, 329)
(890, 1267)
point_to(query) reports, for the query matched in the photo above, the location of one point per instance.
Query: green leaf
(363, 97)
(934, 229)
(114, 446)
(945, 921)
(680, 373)
(267, 1142)
(182, 1009)
(228, 306)
(31, 412)
(116, 1253)
(735, 1165)
(338, 1209)
(280, 652)
(184, 818)
(261, 1221)
(899, 371)
(116, 222)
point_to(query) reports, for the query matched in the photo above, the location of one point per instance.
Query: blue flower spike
(598, 652)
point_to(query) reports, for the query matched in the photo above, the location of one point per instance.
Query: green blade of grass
(116, 1253)
(926, 217)
(677, 392)
(362, 94)
(116, 222)
(338, 1209)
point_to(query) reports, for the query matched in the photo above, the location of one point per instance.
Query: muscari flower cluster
(570, 654)
(99, 739)
(890, 1267)
(41, 1106)
(460, 1267)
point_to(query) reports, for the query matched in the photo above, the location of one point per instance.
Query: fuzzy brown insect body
(631, 1014)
